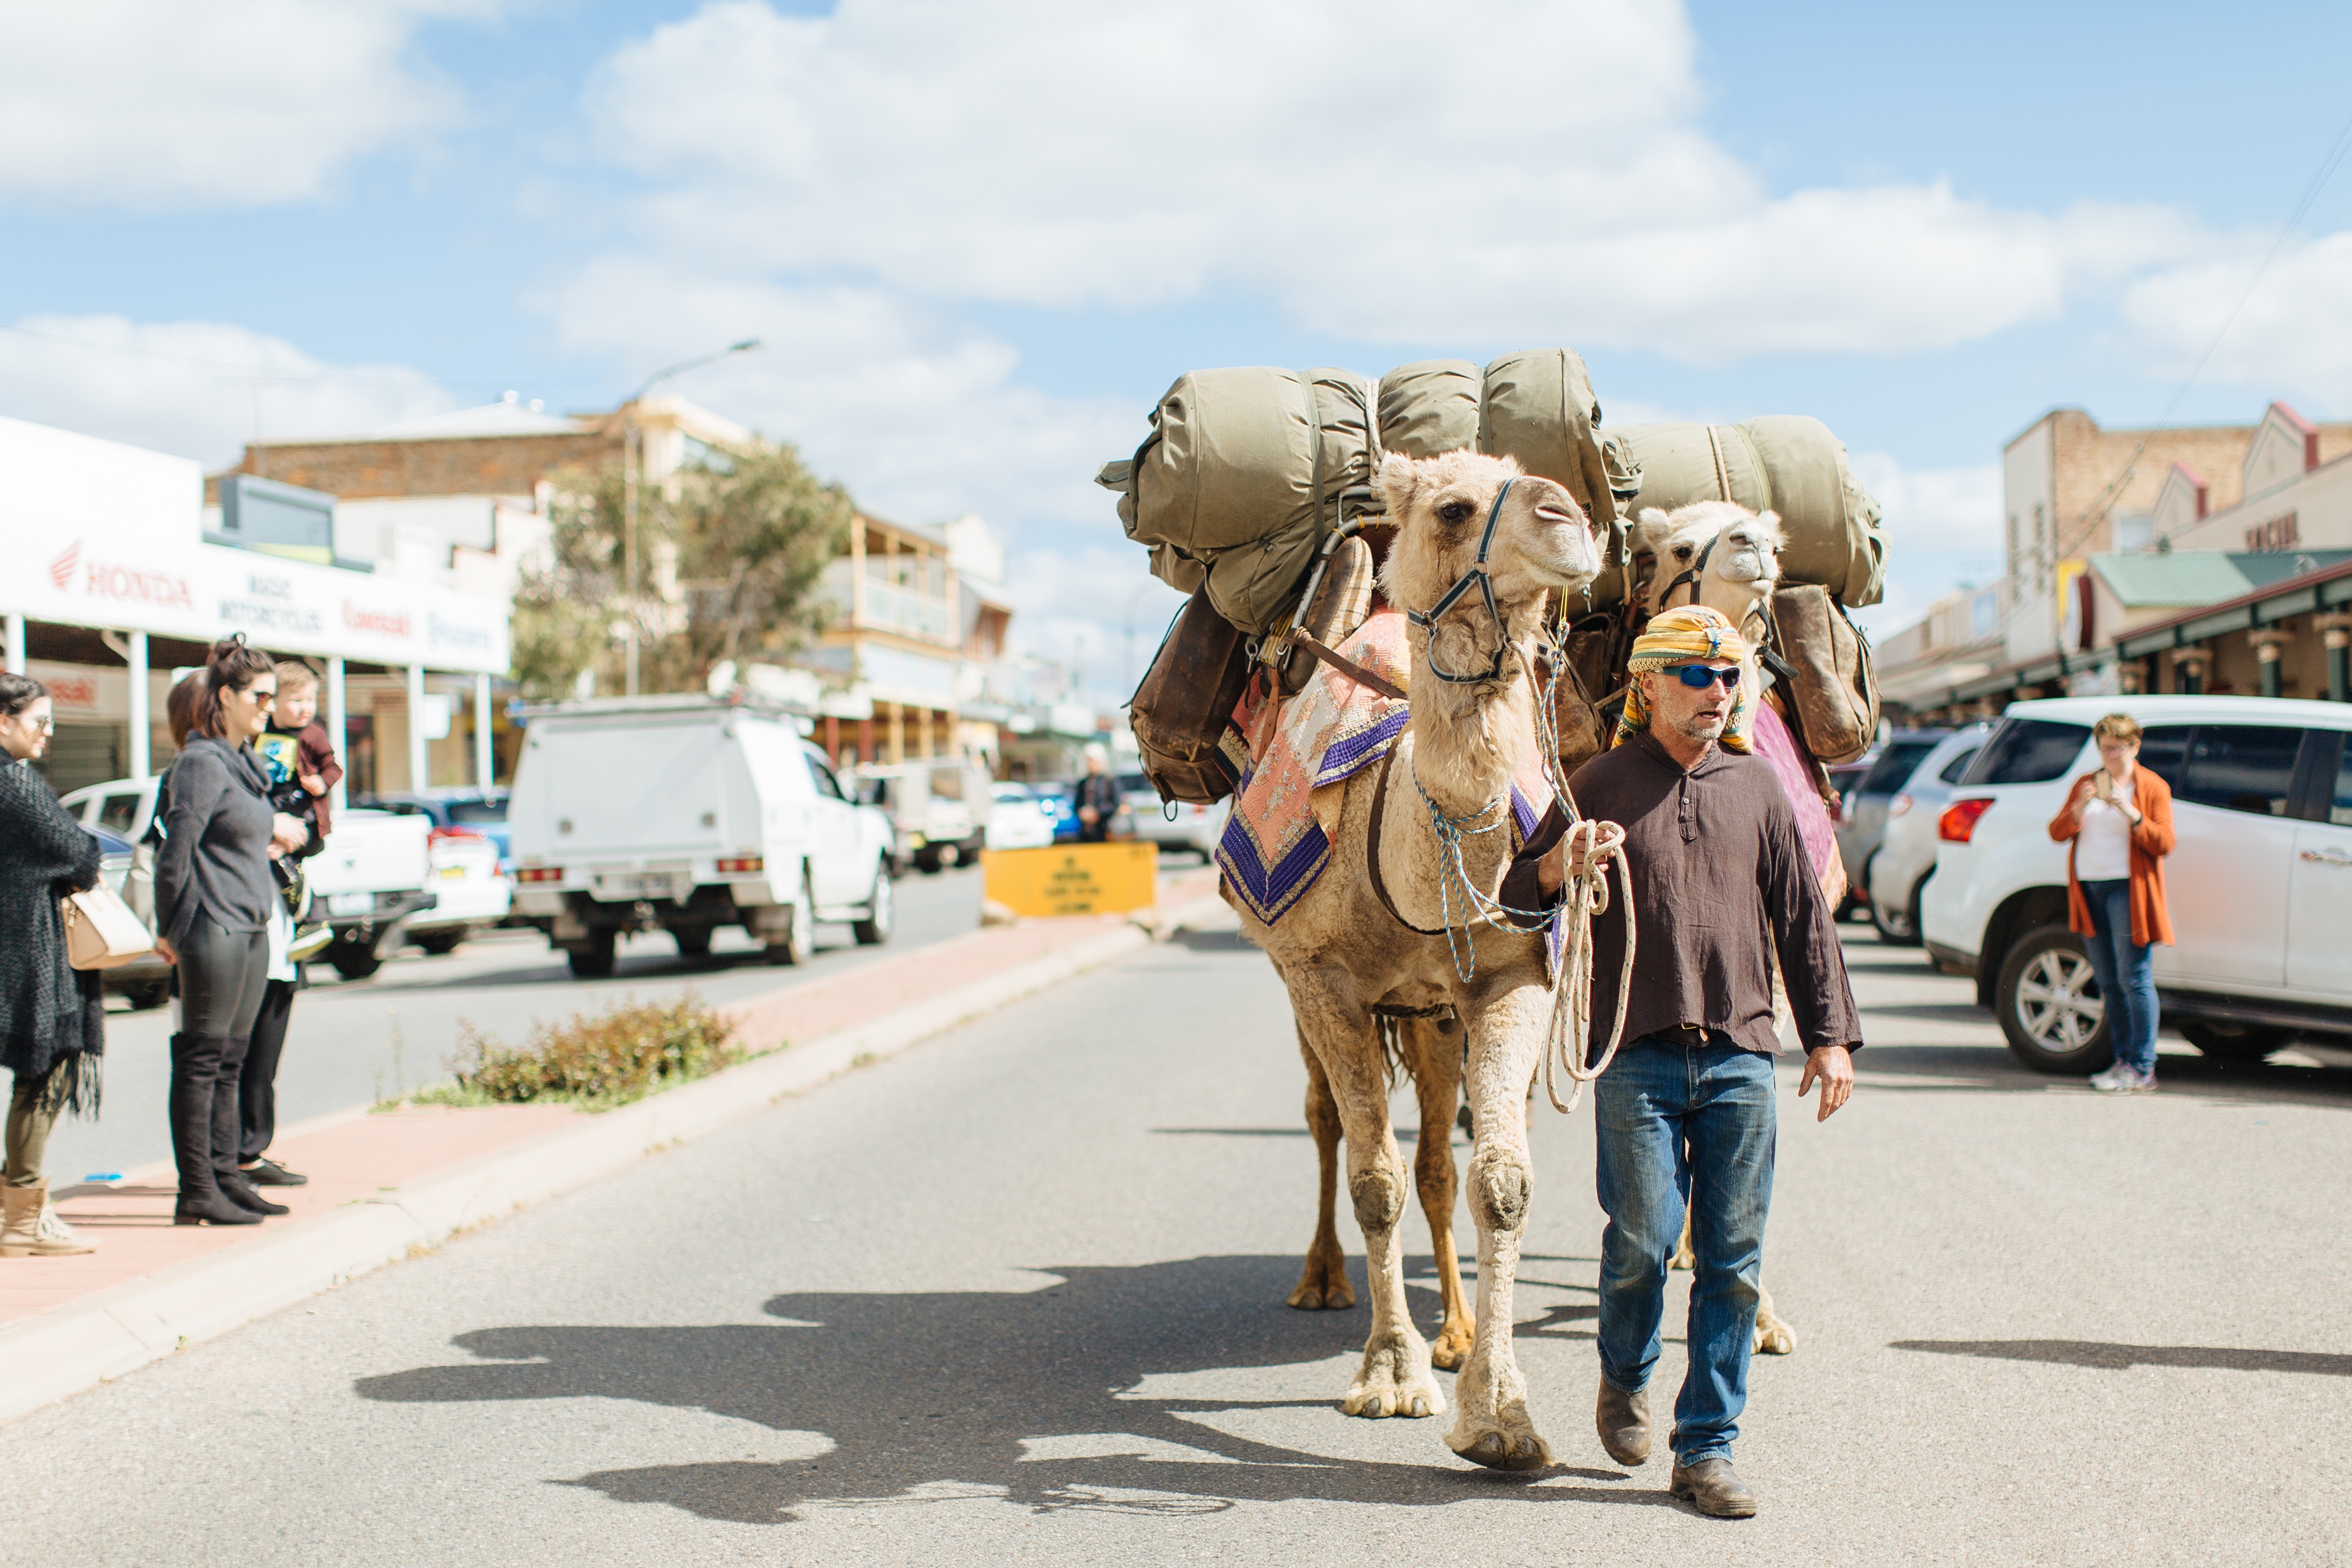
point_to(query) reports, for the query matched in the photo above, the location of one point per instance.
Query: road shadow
(2122, 1357)
(931, 1395)
(1212, 941)
(1991, 1069)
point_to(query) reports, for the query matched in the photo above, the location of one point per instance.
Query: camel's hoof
(1448, 1352)
(1325, 1295)
(1378, 1393)
(1775, 1339)
(1498, 1451)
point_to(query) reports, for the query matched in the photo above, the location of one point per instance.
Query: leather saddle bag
(1183, 711)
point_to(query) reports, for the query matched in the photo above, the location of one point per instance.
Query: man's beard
(1701, 726)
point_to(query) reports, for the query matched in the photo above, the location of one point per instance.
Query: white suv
(2259, 885)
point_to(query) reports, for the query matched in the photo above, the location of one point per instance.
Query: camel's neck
(1468, 741)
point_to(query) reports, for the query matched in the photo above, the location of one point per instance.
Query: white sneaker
(2141, 1082)
(2117, 1080)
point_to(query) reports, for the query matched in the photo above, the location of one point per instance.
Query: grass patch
(596, 1062)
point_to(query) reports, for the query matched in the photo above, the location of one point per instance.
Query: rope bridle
(1586, 893)
(1477, 574)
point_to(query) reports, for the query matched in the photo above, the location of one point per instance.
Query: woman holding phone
(214, 898)
(2117, 821)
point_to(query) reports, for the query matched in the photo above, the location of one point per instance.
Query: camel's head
(1735, 554)
(1543, 544)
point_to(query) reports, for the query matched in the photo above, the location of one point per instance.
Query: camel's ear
(1399, 478)
(1649, 528)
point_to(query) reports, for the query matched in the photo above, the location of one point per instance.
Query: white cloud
(2292, 338)
(199, 389)
(1384, 170)
(222, 103)
(1943, 528)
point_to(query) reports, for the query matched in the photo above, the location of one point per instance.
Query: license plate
(639, 884)
(453, 874)
(351, 904)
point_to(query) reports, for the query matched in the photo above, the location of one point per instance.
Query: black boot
(245, 1194)
(195, 1066)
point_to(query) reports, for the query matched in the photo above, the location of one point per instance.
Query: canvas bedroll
(1247, 470)
(1786, 463)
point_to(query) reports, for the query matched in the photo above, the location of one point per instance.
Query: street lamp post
(631, 461)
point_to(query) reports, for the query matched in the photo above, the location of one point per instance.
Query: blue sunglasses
(1698, 677)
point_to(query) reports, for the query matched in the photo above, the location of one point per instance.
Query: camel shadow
(927, 1395)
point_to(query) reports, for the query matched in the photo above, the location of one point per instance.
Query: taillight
(437, 834)
(539, 873)
(1897, 806)
(743, 863)
(1958, 822)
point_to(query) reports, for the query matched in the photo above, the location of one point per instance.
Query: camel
(1370, 932)
(1721, 555)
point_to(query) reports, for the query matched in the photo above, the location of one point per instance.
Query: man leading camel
(1720, 878)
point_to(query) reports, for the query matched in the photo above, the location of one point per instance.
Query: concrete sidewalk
(391, 1183)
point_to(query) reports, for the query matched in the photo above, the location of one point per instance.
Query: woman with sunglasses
(214, 897)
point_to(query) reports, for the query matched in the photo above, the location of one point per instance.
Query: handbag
(101, 931)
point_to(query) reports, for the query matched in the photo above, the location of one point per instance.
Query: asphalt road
(352, 1042)
(1016, 1296)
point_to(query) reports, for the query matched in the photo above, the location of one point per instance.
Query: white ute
(684, 814)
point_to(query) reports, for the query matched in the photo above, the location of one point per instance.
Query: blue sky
(981, 238)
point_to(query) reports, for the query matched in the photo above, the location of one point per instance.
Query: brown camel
(1372, 933)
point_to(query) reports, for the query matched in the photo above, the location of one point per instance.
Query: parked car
(1018, 820)
(146, 980)
(1173, 825)
(369, 881)
(685, 814)
(483, 811)
(1862, 806)
(1062, 796)
(1906, 857)
(2259, 885)
(939, 810)
(471, 890)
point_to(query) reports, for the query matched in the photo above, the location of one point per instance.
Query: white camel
(1370, 932)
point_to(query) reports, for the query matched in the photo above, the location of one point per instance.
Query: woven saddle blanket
(1277, 840)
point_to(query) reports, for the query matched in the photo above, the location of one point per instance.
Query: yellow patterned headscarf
(1680, 637)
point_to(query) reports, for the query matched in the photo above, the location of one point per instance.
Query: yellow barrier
(1073, 879)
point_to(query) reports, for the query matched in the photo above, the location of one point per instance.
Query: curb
(114, 1332)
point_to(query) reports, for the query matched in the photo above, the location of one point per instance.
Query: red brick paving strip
(353, 1156)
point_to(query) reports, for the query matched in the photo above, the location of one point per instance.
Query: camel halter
(1477, 574)
(1691, 573)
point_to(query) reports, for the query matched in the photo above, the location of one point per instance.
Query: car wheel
(592, 959)
(148, 994)
(2242, 1043)
(2048, 1001)
(354, 960)
(799, 942)
(440, 942)
(881, 912)
(1901, 927)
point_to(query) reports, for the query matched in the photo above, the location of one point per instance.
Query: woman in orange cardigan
(2118, 820)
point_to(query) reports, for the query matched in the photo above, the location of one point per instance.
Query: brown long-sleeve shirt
(1720, 878)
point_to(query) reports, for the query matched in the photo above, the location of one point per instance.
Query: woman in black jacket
(52, 1018)
(213, 895)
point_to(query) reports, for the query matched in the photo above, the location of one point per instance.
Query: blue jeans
(2126, 978)
(1670, 1114)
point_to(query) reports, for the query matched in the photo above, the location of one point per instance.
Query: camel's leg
(1684, 1258)
(1491, 1425)
(1773, 1335)
(1324, 1282)
(1394, 1378)
(1433, 1055)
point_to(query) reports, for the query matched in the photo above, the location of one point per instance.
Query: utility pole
(632, 462)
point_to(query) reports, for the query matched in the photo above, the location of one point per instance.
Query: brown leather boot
(1710, 1486)
(1623, 1421)
(31, 1228)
